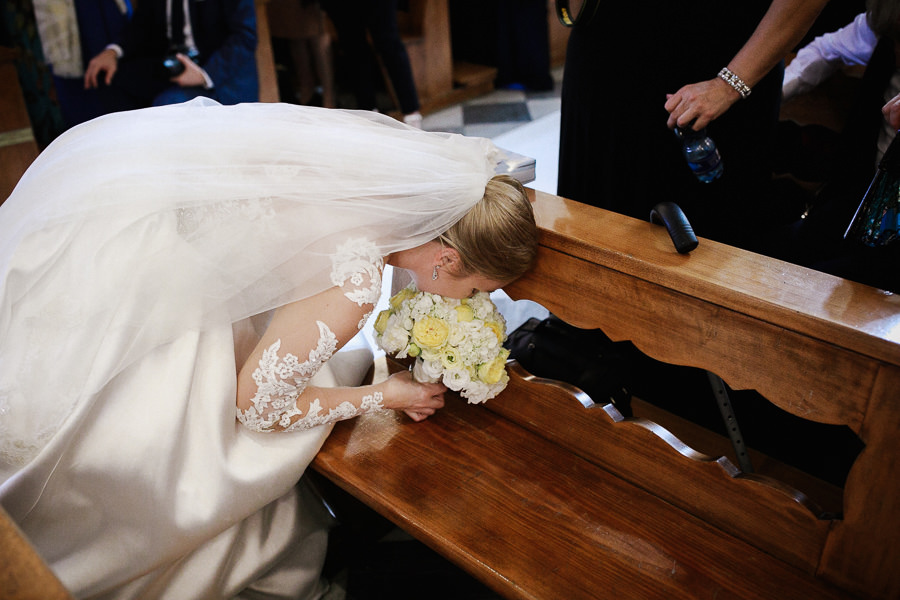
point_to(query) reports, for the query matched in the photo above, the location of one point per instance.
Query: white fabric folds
(127, 251)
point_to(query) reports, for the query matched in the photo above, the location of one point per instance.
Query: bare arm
(781, 28)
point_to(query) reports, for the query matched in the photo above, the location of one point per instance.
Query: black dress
(616, 151)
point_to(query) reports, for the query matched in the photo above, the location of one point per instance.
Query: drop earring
(434, 273)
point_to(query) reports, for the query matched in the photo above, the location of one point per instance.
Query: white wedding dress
(129, 254)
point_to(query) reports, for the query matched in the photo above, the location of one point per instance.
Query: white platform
(538, 139)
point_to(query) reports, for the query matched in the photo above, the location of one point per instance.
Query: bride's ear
(450, 261)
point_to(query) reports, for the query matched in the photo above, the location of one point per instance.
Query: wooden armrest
(23, 574)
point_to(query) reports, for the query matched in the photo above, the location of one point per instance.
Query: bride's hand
(418, 400)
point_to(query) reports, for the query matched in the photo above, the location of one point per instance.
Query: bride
(175, 286)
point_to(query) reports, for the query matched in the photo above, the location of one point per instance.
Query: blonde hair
(497, 239)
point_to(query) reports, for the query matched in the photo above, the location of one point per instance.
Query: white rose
(477, 392)
(433, 368)
(457, 379)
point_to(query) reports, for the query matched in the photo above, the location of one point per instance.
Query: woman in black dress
(629, 79)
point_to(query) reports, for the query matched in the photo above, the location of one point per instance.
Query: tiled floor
(523, 122)
(496, 113)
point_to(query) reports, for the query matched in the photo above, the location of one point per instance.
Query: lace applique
(280, 383)
(282, 172)
(359, 262)
(191, 219)
(346, 410)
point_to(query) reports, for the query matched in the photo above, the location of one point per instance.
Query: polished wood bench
(23, 573)
(18, 147)
(541, 496)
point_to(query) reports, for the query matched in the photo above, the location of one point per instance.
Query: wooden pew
(18, 147)
(23, 573)
(265, 59)
(539, 496)
(440, 80)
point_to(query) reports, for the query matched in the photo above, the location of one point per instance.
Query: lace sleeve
(280, 381)
(356, 274)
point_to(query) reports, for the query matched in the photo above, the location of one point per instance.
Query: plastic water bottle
(701, 153)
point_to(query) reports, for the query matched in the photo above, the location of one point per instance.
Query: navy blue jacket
(225, 35)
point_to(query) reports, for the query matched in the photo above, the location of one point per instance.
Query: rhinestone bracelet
(729, 77)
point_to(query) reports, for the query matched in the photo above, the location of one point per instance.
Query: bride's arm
(273, 392)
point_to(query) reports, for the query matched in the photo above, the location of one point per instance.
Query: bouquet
(457, 341)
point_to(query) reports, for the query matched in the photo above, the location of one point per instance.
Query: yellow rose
(491, 372)
(398, 298)
(464, 313)
(430, 332)
(381, 321)
(497, 328)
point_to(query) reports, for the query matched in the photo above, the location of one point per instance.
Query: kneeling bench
(541, 494)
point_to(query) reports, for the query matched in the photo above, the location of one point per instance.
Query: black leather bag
(587, 359)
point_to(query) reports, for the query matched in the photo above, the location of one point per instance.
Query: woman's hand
(891, 112)
(700, 102)
(418, 400)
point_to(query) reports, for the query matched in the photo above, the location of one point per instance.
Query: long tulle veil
(136, 227)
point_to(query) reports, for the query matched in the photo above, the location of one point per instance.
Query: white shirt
(822, 57)
(818, 60)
